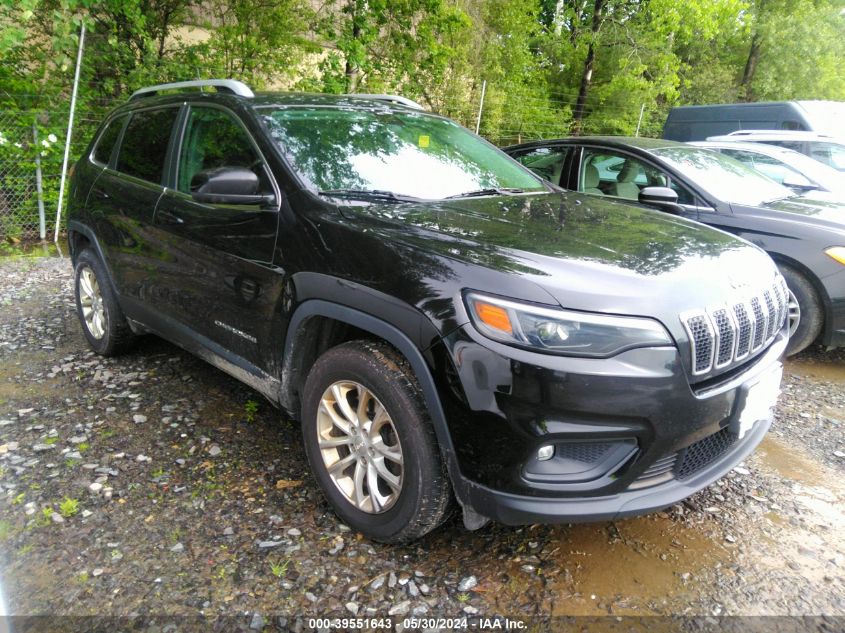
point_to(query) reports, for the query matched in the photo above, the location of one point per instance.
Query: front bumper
(669, 438)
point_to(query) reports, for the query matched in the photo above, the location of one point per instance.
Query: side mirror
(228, 185)
(799, 183)
(662, 198)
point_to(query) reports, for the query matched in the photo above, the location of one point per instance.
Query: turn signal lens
(492, 316)
(837, 253)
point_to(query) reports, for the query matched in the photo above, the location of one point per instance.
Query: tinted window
(613, 174)
(213, 138)
(144, 145)
(547, 162)
(105, 145)
(408, 153)
(831, 154)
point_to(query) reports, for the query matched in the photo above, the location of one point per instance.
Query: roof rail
(231, 86)
(390, 99)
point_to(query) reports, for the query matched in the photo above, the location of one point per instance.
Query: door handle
(169, 218)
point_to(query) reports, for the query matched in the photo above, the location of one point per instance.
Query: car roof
(270, 99)
(761, 148)
(783, 135)
(638, 142)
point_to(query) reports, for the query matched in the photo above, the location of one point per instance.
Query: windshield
(406, 153)
(723, 177)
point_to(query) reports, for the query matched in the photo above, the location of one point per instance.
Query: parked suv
(828, 150)
(443, 323)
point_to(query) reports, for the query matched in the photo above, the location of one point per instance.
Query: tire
(805, 325)
(107, 331)
(413, 492)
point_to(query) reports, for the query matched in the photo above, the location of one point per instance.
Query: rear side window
(144, 145)
(105, 145)
(545, 161)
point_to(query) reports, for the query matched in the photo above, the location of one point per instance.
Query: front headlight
(562, 331)
(837, 253)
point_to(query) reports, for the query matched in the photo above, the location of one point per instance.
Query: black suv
(443, 323)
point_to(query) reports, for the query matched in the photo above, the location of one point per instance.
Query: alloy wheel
(91, 301)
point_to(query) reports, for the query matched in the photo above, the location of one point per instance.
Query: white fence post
(42, 222)
(480, 106)
(69, 131)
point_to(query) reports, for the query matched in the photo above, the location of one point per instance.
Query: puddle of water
(830, 371)
(788, 462)
(631, 567)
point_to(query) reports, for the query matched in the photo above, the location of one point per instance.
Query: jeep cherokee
(443, 323)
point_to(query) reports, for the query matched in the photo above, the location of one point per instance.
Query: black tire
(116, 335)
(423, 500)
(811, 316)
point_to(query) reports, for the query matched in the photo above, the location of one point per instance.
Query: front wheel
(371, 445)
(805, 311)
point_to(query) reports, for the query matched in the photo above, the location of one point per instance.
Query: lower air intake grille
(703, 452)
(587, 452)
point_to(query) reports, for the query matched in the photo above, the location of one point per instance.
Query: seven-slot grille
(728, 333)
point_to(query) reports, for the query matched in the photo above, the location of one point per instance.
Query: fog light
(545, 452)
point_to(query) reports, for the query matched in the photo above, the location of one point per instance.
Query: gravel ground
(153, 484)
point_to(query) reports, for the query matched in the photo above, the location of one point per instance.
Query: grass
(463, 597)
(68, 507)
(17, 500)
(82, 447)
(82, 577)
(280, 569)
(107, 433)
(250, 409)
(51, 440)
(45, 518)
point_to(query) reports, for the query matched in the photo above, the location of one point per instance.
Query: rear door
(219, 281)
(125, 195)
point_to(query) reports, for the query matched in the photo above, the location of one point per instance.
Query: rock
(310, 596)
(391, 580)
(742, 471)
(86, 514)
(38, 448)
(177, 548)
(425, 589)
(420, 610)
(29, 508)
(469, 610)
(412, 589)
(77, 439)
(400, 608)
(468, 583)
(268, 544)
(228, 531)
(139, 419)
(838, 454)
(57, 518)
(214, 451)
(352, 607)
(143, 458)
(257, 622)
(97, 572)
(294, 532)
(730, 538)
(96, 487)
(377, 584)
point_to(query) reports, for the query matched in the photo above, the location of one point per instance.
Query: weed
(280, 569)
(26, 549)
(5, 530)
(82, 577)
(175, 535)
(70, 462)
(51, 440)
(82, 447)
(107, 433)
(45, 518)
(250, 409)
(463, 597)
(19, 499)
(158, 472)
(68, 507)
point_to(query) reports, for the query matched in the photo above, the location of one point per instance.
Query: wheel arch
(299, 354)
(815, 282)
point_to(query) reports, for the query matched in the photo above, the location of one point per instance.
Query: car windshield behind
(725, 178)
(405, 153)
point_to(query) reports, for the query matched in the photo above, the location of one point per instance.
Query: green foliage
(68, 507)
(250, 409)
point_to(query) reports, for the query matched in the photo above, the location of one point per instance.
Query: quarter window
(213, 139)
(108, 139)
(144, 145)
(546, 162)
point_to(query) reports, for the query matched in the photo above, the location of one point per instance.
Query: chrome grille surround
(725, 334)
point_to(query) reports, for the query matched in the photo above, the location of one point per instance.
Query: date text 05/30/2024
(460, 623)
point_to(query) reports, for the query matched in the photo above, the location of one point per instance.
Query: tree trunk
(750, 67)
(352, 70)
(587, 71)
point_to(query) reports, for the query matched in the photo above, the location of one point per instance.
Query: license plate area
(759, 399)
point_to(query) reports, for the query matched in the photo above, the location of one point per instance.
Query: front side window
(144, 146)
(831, 154)
(546, 162)
(213, 139)
(108, 139)
(411, 154)
(775, 169)
(610, 173)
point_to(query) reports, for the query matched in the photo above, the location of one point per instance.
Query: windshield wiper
(490, 191)
(371, 194)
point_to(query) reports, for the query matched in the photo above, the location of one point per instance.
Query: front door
(222, 284)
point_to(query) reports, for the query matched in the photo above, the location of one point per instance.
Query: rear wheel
(371, 445)
(805, 311)
(102, 320)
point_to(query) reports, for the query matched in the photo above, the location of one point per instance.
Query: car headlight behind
(562, 331)
(837, 253)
